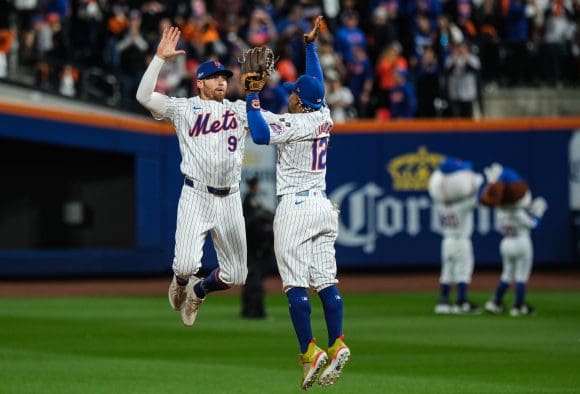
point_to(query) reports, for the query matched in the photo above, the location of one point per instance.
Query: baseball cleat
(338, 354)
(177, 294)
(466, 308)
(524, 310)
(191, 304)
(443, 308)
(492, 307)
(312, 362)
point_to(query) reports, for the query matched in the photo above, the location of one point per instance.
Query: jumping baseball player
(453, 187)
(517, 215)
(211, 132)
(306, 223)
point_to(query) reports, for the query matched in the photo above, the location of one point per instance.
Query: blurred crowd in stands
(381, 58)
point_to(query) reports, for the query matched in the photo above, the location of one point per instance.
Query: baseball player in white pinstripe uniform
(453, 188)
(211, 132)
(306, 223)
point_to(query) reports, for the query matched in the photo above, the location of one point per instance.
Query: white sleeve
(154, 102)
(524, 219)
(466, 204)
(299, 126)
(241, 114)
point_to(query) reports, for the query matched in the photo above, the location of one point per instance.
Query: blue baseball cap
(509, 175)
(309, 89)
(452, 164)
(212, 67)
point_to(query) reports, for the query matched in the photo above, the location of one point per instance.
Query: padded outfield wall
(377, 173)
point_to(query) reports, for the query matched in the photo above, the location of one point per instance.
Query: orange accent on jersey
(188, 32)
(558, 7)
(287, 71)
(210, 35)
(470, 29)
(6, 40)
(116, 25)
(488, 30)
(505, 7)
(386, 71)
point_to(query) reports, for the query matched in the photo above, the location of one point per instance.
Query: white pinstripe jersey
(302, 141)
(211, 138)
(515, 222)
(457, 217)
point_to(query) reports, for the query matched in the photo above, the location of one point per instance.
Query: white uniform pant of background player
(305, 230)
(199, 212)
(517, 255)
(456, 260)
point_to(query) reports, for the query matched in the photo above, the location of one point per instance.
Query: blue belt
(304, 193)
(217, 191)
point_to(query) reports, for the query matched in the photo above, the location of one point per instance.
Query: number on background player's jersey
(508, 231)
(449, 220)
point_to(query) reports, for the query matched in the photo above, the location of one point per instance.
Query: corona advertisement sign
(411, 171)
(388, 219)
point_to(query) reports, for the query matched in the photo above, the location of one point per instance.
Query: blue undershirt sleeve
(258, 127)
(312, 62)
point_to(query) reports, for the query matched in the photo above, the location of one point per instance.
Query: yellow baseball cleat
(312, 362)
(338, 354)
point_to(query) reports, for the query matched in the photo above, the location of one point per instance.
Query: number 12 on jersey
(319, 148)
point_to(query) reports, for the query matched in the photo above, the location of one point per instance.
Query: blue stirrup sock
(299, 306)
(500, 291)
(461, 292)
(444, 289)
(520, 294)
(332, 305)
(210, 284)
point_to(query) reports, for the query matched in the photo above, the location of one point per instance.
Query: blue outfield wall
(385, 223)
(378, 179)
(157, 181)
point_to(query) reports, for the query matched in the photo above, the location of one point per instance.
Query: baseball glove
(257, 64)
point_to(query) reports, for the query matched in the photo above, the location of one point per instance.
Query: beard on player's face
(213, 88)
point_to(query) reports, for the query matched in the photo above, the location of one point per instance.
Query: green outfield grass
(138, 345)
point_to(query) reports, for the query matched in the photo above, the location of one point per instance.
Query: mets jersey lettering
(200, 125)
(211, 138)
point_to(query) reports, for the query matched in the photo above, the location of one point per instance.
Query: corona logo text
(367, 214)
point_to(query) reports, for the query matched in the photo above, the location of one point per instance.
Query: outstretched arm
(259, 129)
(466, 204)
(312, 63)
(156, 102)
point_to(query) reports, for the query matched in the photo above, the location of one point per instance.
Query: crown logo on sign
(411, 171)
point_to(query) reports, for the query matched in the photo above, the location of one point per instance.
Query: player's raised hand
(493, 172)
(169, 39)
(538, 207)
(311, 37)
